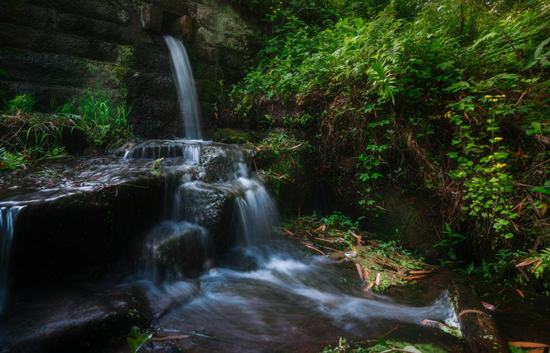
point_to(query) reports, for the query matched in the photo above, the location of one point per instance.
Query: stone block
(151, 18)
(182, 28)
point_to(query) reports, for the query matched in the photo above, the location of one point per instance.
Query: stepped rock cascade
(192, 205)
(8, 215)
(185, 86)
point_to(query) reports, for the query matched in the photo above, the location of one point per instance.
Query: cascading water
(185, 86)
(261, 292)
(259, 296)
(8, 215)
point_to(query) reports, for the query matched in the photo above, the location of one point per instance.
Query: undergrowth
(30, 137)
(446, 96)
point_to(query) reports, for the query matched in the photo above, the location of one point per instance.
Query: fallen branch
(313, 248)
(479, 331)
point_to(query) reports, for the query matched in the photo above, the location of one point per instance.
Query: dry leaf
(359, 240)
(288, 232)
(527, 262)
(520, 293)
(360, 271)
(419, 272)
(489, 306)
(369, 286)
(312, 248)
(528, 345)
(543, 208)
(537, 350)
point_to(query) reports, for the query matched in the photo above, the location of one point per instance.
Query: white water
(185, 85)
(263, 292)
(8, 215)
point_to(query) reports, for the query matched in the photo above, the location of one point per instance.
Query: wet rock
(78, 319)
(182, 28)
(410, 216)
(218, 162)
(93, 215)
(478, 328)
(211, 207)
(151, 18)
(177, 248)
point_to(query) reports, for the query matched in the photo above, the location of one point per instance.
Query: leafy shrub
(431, 96)
(10, 161)
(21, 104)
(446, 96)
(101, 118)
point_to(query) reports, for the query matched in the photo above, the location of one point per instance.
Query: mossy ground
(232, 136)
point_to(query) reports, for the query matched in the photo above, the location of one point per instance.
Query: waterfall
(189, 200)
(8, 216)
(185, 86)
(257, 214)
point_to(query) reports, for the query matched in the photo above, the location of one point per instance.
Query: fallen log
(478, 328)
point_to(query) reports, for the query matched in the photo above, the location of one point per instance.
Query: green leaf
(382, 342)
(505, 76)
(458, 86)
(542, 190)
(536, 56)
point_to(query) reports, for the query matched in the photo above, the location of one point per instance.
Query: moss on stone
(126, 56)
(232, 136)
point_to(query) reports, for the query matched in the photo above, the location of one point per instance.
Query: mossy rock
(232, 136)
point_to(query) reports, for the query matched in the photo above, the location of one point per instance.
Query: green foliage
(29, 137)
(433, 94)
(450, 243)
(37, 138)
(138, 339)
(280, 140)
(11, 161)
(22, 104)
(155, 169)
(336, 225)
(101, 118)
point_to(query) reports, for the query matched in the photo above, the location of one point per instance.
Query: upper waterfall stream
(185, 85)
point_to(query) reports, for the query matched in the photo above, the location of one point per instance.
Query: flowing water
(8, 216)
(262, 294)
(185, 85)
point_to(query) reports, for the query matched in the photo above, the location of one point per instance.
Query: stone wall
(55, 49)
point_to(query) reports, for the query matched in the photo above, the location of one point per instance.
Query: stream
(212, 270)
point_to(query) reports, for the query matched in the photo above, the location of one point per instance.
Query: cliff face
(54, 49)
